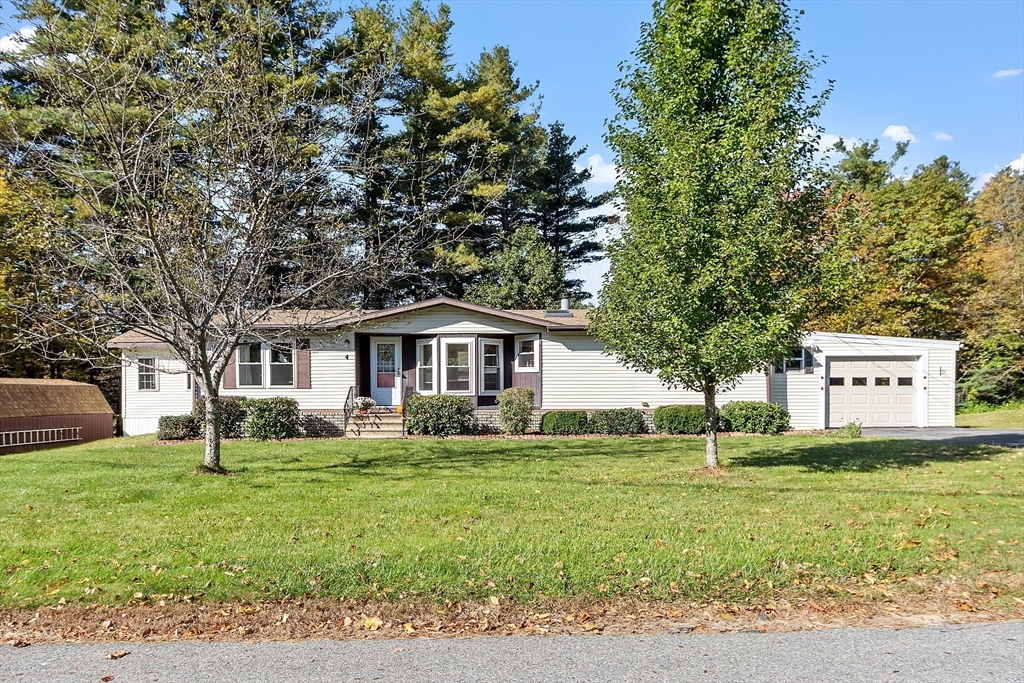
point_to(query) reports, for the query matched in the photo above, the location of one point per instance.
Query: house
(43, 413)
(450, 346)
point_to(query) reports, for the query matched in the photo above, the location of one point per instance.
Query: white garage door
(876, 392)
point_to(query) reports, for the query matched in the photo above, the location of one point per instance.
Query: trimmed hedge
(679, 419)
(515, 408)
(755, 417)
(565, 422)
(272, 418)
(439, 415)
(177, 428)
(232, 416)
(619, 421)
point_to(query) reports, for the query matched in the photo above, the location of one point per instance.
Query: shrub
(850, 430)
(515, 408)
(755, 417)
(679, 419)
(564, 422)
(232, 416)
(620, 421)
(439, 415)
(272, 418)
(177, 428)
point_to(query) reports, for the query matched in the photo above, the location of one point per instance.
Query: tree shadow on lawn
(867, 455)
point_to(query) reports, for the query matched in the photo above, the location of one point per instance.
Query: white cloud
(601, 172)
(1018, 164)
(15, 42)
(899, 134)
(945, 137)
(1007, 73)
(982, 180)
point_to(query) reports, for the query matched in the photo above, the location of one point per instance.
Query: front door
(386, 370)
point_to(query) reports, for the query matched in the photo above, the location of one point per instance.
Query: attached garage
(876, 392)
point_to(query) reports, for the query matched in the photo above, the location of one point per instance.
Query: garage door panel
(869, 391)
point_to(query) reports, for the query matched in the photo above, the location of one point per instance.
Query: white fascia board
(866, 344)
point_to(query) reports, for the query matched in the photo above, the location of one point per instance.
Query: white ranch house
(449, 346)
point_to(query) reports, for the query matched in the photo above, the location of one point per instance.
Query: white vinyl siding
(142, 408)
(576, 374)
(800, 394)
(941, 388)
(449, 320)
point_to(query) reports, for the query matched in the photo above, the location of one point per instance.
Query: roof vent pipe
(565, 302)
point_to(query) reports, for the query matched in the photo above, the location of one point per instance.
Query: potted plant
(363, 403)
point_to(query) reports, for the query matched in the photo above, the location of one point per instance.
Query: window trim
(520, 338)
(270, 364)
(138, 375)
(445, 343)
(238, 366)
(433, 359)
(501, 365)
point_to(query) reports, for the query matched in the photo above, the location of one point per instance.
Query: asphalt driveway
(1013, 438)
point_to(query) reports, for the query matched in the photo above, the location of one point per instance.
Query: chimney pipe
(565, 302)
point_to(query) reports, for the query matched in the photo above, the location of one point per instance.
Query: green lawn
(467, 519)
(1005, 418)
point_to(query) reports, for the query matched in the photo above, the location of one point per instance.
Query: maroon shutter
(302, 364)
(230, 376)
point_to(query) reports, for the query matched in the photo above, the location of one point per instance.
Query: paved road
(939, 654)
(996, 437)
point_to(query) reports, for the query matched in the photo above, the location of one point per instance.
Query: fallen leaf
(494, 600)
(409, 628)
(372, 623)
(284, 619)
(20, 643)
(107, 679)
(117, 655)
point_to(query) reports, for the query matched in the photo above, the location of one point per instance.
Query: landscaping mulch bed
(353, 620)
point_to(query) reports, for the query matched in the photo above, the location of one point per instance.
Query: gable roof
(49, 397)
(335, 319)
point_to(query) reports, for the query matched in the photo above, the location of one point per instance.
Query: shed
(43, 413)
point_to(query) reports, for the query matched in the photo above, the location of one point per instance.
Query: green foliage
(618, 422)
(564, 422)
(850, 430)
(177, 428)
(755, 417)
(272, 418)
(439, 415)
(525, 273)
(687, 419)
(515, 409)
(711, 274)
(232, 416)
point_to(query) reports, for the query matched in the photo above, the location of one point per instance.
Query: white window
(282, 367)
(491, 373)
(800, 360)
(527, 353)
(250, 365)
(457, 357)
(147, 374)
(425, 365)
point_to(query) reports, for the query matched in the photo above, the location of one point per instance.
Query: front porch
(391, 367)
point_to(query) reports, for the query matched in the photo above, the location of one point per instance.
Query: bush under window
(755, 417)
(439, 415)
(565, 422)
(680, 419)
(232, 416)
(515, 409)
(177, 428)
(272, 418)
(619, 421)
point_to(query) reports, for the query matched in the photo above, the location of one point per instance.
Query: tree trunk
(211, 460)
(711, 427)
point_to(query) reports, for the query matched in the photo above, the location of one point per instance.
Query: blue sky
(946, 73)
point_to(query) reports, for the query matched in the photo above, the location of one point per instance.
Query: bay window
(425, 366)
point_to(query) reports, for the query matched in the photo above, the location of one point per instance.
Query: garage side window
(147, 374)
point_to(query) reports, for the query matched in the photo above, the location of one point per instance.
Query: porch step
(377, 424)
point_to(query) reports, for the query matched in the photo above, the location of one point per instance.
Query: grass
(1001, 418)
(431, 520)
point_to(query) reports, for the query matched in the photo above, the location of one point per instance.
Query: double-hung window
(282, 367)
(490, 366)
(147, 374)
(250, 365)
(527, 347)
(425, 366)
(457, 356)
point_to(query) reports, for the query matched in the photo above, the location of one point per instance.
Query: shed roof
(50, 397)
